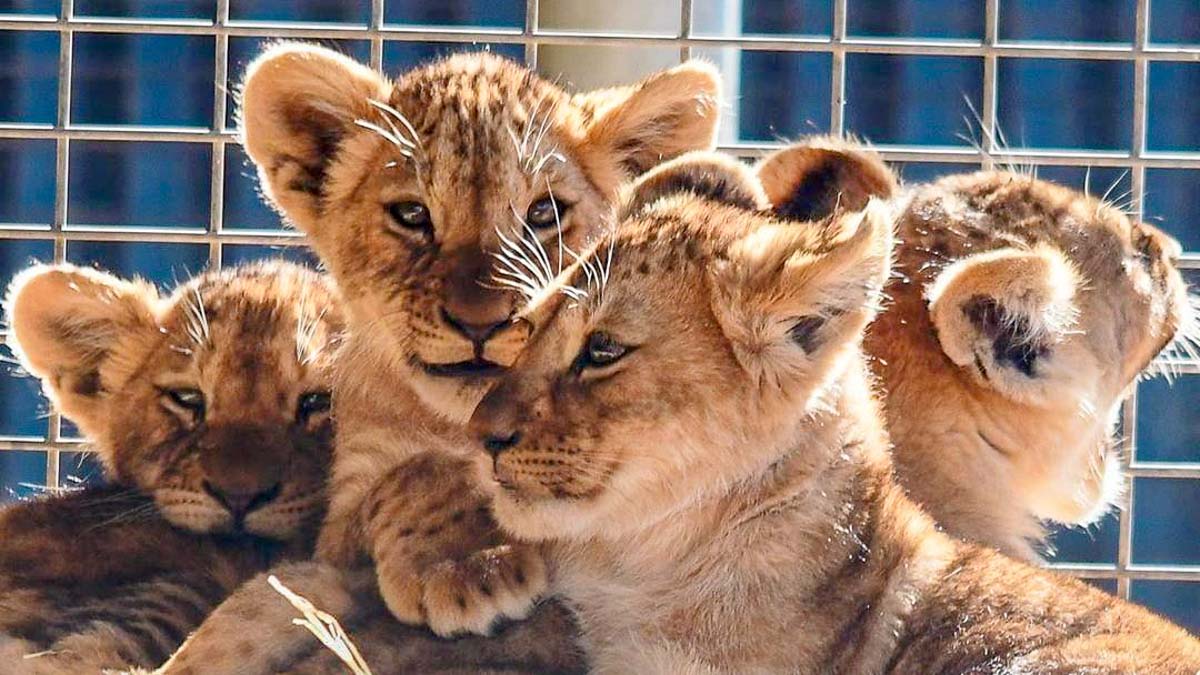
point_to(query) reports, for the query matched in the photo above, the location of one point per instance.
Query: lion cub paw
(440, 558)
(470, 595)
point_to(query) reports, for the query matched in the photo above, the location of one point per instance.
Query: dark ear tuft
(811, 180)
(65, 324)
(704, 174)
(1012, 336)
(299, 102)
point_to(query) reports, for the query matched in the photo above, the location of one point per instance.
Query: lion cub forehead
(267, 300)
(479, 89)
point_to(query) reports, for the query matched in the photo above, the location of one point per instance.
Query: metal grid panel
(838, 44)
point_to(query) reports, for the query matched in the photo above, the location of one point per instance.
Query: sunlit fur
(688, 280)
(1102, 296)
(196, 502)
(1018, 315)
(477, 139)
(720, 498)
(252, 340)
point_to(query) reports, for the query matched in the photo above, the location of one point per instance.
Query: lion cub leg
(252, 631)
(440, 558)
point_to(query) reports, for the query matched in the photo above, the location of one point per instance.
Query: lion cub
(692, 434)
(1018, 314)
(409, 190)
(210, 411)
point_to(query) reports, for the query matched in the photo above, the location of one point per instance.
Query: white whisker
(995, 145)
(1113, 186)
(553, 154)
(388, 136)
(516, 143)
(197, 319)
(557, 224)
(525, 253)
(541, 134)
(531, 241)
(513, 269)
(389, 111)
(516, 259)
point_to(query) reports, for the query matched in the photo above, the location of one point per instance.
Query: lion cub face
(409, 189)
(679, 355)
(213, 400)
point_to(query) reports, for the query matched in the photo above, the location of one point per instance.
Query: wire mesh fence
(65, 151)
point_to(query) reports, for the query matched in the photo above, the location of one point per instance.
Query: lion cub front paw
(440, 558)
(468, 595)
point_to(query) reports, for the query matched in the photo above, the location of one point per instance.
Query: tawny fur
(1018, 315)
(198, 501)
(701, 453)
(476, 140)
(294, 180)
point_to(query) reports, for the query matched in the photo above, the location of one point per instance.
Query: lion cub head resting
(680, 355)
(213, 400)
(409, 189)
(1020, 314)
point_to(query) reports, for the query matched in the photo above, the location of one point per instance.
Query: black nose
(477, 333)
(241, 502)
(498, 444)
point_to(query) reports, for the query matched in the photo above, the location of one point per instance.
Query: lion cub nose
(477, 333)
(241, 502)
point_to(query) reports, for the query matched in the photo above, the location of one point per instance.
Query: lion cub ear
(663, 116)
(811, 180)
(702, 174)
(65, 322)
(1002, 314)
(298, 102)
(791, 297)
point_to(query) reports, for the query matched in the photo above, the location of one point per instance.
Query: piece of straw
(324, 627)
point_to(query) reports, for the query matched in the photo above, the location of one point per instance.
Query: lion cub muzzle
(241, 467)
(491, 350)
(480, 337)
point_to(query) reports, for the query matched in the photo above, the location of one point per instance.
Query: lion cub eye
(545, 212)
(601, 350)
(312, 403)
(411, 215)
(191, 400)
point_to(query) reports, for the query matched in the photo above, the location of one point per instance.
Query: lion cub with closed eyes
(691, 431)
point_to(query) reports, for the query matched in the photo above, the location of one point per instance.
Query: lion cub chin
(691, 432)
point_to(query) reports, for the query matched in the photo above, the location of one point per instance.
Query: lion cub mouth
(469, 369)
